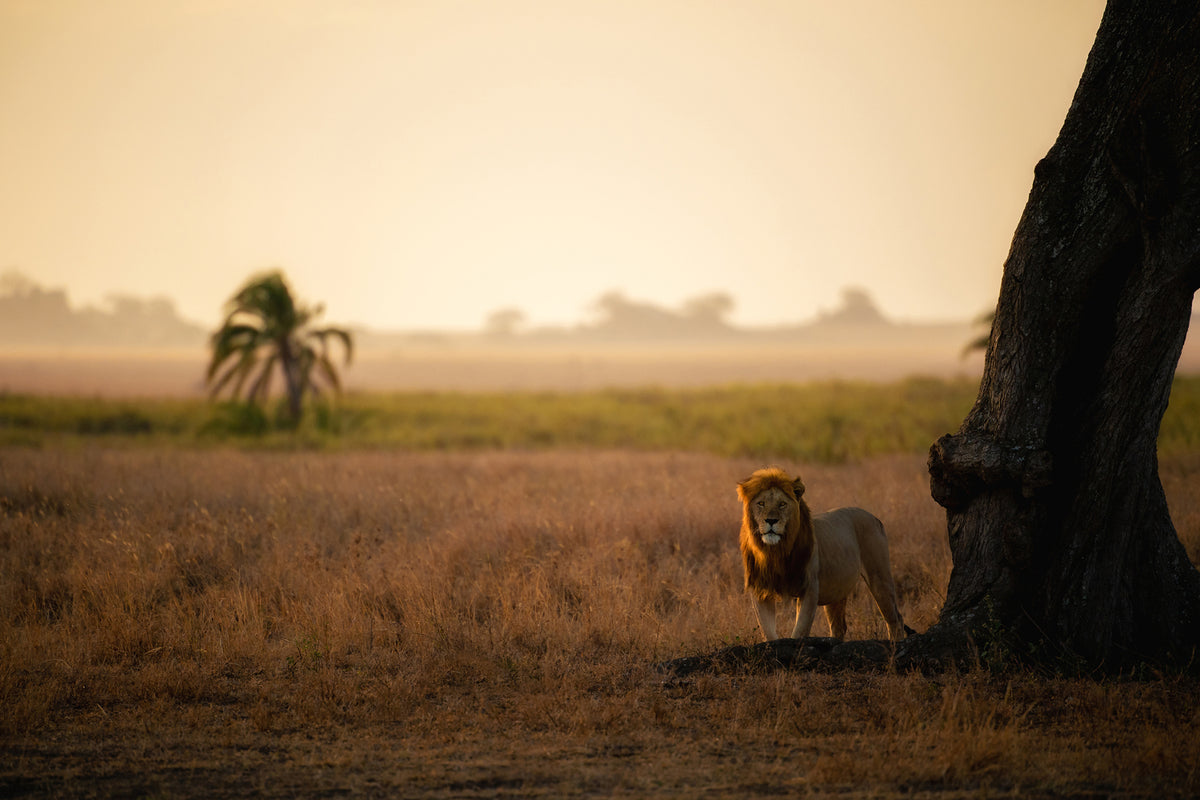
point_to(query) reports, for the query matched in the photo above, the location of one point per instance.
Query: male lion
(790, 553)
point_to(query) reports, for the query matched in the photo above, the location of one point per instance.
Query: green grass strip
(833, 421)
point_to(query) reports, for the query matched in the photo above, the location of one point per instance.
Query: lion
(817, 559)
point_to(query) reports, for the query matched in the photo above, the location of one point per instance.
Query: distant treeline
(702, 317)
(702, 320)
(33, 316)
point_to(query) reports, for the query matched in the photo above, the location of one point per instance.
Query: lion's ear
(798, 488)
(741, 490)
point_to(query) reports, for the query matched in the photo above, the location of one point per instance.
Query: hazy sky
(422, 164)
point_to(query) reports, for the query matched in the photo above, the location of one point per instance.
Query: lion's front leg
(766, 618)
(806, 610)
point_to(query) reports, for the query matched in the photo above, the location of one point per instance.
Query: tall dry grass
(488, 608)
(459, 564)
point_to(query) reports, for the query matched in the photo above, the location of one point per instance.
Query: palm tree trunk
(290, 366)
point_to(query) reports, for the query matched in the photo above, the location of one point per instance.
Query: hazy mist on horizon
(424, 164)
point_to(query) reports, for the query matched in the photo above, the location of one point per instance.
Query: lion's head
(777, 537)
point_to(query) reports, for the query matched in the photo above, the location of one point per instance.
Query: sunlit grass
(490, 620)
(828, 422)
(465, 595)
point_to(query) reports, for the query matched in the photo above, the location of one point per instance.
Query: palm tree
(265, 327)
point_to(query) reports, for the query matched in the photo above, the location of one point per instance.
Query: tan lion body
(817, 560)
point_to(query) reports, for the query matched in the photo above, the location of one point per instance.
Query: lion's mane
(780, 570)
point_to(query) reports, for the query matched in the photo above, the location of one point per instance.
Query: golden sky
(423, 164)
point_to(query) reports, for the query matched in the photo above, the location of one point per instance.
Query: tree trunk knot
(965, 465)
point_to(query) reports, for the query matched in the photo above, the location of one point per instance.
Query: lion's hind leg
(877, 572)
(883, 590)
(835, 613)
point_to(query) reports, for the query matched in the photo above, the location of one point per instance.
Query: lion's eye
(761, 504)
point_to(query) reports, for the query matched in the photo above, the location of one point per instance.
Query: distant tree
(266, 328)
(30, 314)
(14, 283)
(623, 318)
(858, 308)
(614, 305)
(710, 308)
(504, 322)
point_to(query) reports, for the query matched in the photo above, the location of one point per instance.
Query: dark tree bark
(1058, 524)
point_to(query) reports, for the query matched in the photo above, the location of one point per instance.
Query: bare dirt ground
(696, 742)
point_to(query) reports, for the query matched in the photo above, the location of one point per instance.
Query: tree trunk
(289, 363)
(1058, 524)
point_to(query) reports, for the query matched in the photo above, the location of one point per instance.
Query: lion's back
(849, 522)
(844, 536)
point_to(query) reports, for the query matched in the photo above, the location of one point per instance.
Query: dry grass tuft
(211, 623)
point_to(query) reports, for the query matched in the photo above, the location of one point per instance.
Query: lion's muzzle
(770, 531)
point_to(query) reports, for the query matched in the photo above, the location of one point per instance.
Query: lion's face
(771, 511)
(776, 539)
(772, 505)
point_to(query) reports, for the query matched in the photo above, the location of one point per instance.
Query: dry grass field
(221, 623)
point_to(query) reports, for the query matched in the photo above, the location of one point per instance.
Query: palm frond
(341, 334)
(977, 344)
(268, 298)
(330, 373)
(983, 340)
(239, 369)
(230, 339)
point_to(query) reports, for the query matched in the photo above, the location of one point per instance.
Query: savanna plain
(427, 595)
